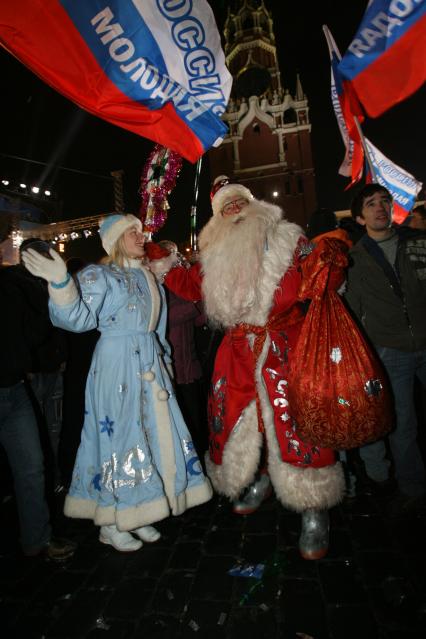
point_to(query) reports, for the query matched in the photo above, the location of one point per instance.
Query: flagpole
(366, 151)
(193, 223)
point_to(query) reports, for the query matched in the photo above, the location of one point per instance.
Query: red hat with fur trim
(154, 251)
(223, 191)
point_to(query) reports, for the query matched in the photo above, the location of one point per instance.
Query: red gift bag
(337, 386)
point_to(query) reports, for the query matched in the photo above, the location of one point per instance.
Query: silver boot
(313, 540)
(253, 496)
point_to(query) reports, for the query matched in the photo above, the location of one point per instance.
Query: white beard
(232, 258)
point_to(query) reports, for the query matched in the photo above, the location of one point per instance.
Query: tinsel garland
(157, 180)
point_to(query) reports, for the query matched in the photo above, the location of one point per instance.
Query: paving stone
(259, 622)
(225, 519)
(131, 598)
(340, 545)
(81, 615)
(223, 542)
(112, 629)
(395, 612)
(370, 533)
(151, 561)
(360, 505)
(341, 582)
(194, 531)
(58, 590)
(186, 556)
(410, 535)
(30, 582)
(172, 593)
(110, 570)
(155, 593)
(302, 608)
(376, 566)
(265, 520)
(294, 566)
(212, 580)
(158, 627)
(30, 626)
(206, 619)
(352, 622)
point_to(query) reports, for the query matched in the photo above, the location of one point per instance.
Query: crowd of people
(141, 438)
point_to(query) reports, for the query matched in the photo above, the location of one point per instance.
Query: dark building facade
(268, 148)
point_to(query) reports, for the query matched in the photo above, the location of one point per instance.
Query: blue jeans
(20, 439)
(402, 367)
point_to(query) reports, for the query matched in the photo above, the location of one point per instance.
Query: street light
(275, 194)
(5, 182)
(35, 189)
(23, 186)
(48, 193)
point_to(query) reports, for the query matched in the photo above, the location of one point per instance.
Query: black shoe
(403, 505)
(368, 486)
(56, 550)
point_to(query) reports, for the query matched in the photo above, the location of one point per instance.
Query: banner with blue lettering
(352, 165)
(401, 184)
(154, 67)
(386, 61)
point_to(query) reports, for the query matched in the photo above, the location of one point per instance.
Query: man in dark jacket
(22, 331)
(387, 292)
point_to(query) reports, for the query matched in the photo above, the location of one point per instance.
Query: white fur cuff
(65, 295)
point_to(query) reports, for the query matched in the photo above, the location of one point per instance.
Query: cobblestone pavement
(372, 584)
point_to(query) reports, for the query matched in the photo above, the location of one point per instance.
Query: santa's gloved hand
(50, 269)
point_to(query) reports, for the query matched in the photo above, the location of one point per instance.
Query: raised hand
(52, 269)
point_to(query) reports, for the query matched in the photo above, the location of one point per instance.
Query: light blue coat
(136, 462)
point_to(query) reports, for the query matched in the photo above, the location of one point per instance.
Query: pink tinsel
(154, 188)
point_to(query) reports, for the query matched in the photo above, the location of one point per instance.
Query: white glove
(52, 270)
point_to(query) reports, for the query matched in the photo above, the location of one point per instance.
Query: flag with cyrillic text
(386, 61)
(402, 185)
(352, 165)
(154, 67)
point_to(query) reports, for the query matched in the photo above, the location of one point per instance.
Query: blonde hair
(118, 253)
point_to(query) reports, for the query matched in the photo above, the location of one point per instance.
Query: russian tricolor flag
(154, 67)
(402, 185)
(386, 61)
(352, 165)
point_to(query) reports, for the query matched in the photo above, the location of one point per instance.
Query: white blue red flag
(386, 61)
(352, 165)
(154, 67)
(401, 184)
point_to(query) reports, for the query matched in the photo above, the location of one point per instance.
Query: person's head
(418, 218)
(227, 198)
(36, 244)
(372, 208)
(321, 221)
(122, 238)
(170, 246)
(161, 257)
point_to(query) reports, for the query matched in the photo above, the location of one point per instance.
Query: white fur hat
(227, 192)
(113, 227)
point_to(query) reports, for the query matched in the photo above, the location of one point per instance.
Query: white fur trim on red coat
(241, 456)
(296, 487)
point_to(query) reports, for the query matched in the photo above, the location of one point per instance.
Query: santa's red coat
(234, 385)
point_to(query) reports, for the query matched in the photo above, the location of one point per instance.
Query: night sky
(40, 124)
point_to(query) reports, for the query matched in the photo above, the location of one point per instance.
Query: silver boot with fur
(253, 496)
(313, 540)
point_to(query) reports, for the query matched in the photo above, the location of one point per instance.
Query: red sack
(337, 387)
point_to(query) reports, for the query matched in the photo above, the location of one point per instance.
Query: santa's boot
(313, 540)
(253, 496)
